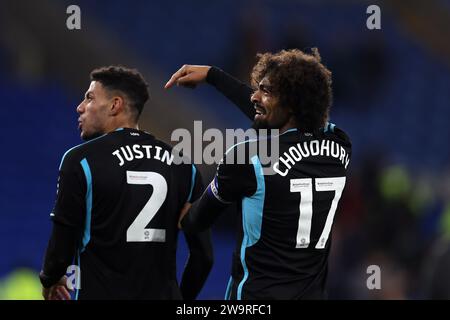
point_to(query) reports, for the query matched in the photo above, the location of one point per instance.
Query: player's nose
(255, 98)
(80, 108)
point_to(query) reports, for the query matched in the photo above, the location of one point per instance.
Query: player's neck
(114, 125)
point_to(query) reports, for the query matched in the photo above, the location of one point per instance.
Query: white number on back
(304, 186)
(137, 231)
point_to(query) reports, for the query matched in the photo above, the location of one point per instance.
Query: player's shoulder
(243, 144)
(241, 153)
(161, 143)
(77, 153)
(338, 134)
(180, 160)
(84, 150)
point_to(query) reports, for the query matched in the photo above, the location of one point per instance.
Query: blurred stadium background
(392, 94)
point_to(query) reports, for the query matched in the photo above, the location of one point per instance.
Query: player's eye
(264, 89)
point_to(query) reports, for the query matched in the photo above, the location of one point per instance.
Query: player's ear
(117, 105)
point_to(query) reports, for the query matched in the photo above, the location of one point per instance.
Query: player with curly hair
(284, 238)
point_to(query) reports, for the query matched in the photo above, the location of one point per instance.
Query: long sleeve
(231, 183)
(68, 219)
(203, 212)
(199, 264)
(201, 257)
(59, 255)
(235, 90)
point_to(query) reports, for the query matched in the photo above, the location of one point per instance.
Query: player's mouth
(80, 124)
(260, 111)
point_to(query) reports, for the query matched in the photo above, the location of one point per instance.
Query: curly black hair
(302, 83)
(128, 81)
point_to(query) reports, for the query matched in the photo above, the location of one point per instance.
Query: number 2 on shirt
(136, 231)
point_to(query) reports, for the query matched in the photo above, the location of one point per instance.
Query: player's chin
(260, 124)
(84, 136)
(87, 136)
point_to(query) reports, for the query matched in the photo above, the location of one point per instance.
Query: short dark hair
(302, 83)
(128, 81)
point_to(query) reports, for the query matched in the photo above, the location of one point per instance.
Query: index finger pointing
(180, 73)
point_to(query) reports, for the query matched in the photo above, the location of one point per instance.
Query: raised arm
(235, 90)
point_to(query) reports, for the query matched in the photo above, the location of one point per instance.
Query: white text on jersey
(136, 151)
(310, 148)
